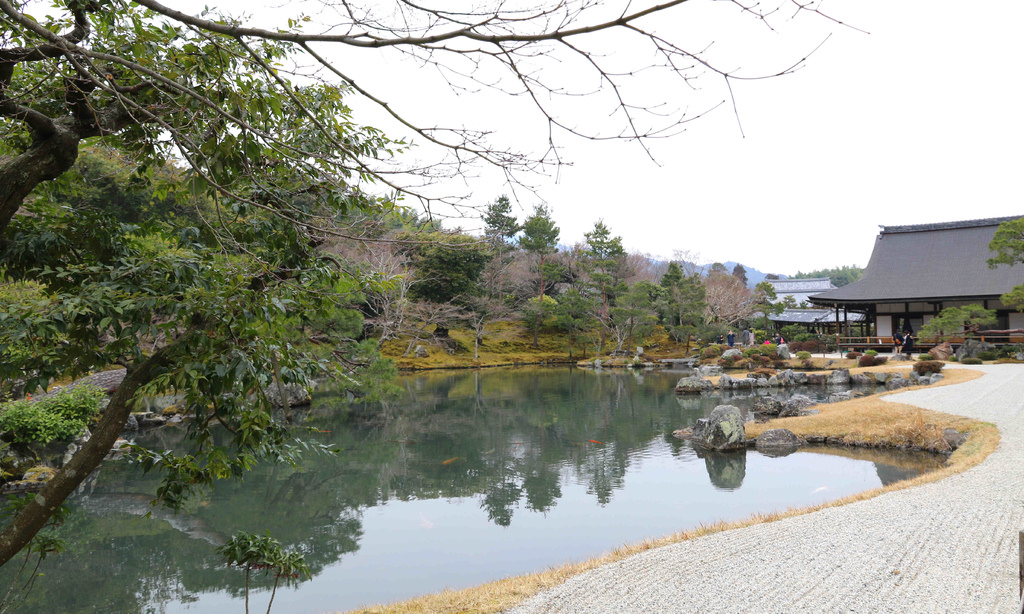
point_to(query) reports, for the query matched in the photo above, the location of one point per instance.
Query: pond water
(471, 477)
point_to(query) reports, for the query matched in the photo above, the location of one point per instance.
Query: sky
(909, 114)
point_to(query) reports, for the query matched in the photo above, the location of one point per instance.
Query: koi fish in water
(451, 460)
(595, 441)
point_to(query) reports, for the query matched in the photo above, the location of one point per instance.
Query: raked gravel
(948, 546)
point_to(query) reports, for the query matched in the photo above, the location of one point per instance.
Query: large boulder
(769, 406)
(783, 352)
(709, 370)
(797, 405)
(839, 377)
(970, 348)
(722, 430)
(732, 353)
(778, 442)
(296, 395)
(693, 385)
(942, 351)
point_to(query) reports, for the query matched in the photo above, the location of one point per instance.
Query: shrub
(771, 351)
(866, 360)
(803, 355)
(923, 367)
(925, 357)
(56, 417)
(807, 364)
(779, 364)
(853, 355)
(871, 353)
(881, 360)
(987, 355)
(971, 361)
(712, 351)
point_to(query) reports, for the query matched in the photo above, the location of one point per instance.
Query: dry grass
(867, 421)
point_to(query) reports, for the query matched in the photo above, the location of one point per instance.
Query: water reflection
(474, 476)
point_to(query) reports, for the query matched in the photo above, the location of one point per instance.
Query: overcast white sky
(917, 120)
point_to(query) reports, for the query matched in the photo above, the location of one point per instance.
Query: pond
(473, 476)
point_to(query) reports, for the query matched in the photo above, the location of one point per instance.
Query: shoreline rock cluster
(698, 383)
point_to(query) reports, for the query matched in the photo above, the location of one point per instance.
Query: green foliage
(57, 417)
(871, 353)
(971, 360)
(499, 223)
(925, 357)
(803, 355)
(1008, 243)
(839, 276)
(770, 350)
(956, 321)
(987, 355)
(682, 307)
(605, 256)
(712, 351)
(448, 266)
(540, 235)
(573, 316)
(262, 553)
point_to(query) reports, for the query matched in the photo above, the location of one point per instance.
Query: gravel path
(949, 546)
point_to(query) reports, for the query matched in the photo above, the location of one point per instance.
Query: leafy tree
(958, 321)
(1008, 243)
(717, 267)
(274, 148)
(839, 276)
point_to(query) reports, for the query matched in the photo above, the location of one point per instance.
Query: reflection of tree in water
(500, 437)
(726, 469)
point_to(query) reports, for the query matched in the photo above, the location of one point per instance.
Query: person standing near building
(731, 338)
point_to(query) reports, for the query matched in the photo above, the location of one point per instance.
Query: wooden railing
(885, 342)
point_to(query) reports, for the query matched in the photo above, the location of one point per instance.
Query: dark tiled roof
(930, 262)
(992, 221)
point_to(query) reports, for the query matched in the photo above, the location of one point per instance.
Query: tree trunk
(34, 516)
(46, 159)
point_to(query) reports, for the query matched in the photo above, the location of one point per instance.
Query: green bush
(987, 355)
(712, 351)
(770, 350)
(57, 417)
(803, 355)
(925, 357)
(971, 361)
(871, 353)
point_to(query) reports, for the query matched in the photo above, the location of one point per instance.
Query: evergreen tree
(540, 237)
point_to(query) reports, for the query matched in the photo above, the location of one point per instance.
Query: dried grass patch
(868, 421)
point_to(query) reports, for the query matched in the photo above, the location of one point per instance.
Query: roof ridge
(992, 221)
